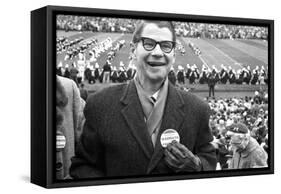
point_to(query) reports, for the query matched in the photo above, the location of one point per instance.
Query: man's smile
(155, 63)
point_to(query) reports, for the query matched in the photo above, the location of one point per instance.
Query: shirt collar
(155, 95)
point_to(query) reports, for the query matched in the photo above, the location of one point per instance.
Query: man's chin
(157, 78)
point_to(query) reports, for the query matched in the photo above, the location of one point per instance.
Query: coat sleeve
(88, 161)
(204, 149)
(259, 158)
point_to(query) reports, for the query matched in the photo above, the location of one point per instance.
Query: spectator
(83, 92)
(106, 72)
(172, 76)
(70, 119)
(247, 153)
(211, 84)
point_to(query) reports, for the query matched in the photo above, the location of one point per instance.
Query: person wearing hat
(106, 72)
(188, 71)
(129, 127)
(73, 73)
(204, 75)
(211, 84)
(59, 69)
(66, 71)
(130, 70)
(247, 153)
(172, 76)
(97, 72)
(223, 74)
(180, 75)
(114, 75)
(193, 75)
(122, 74)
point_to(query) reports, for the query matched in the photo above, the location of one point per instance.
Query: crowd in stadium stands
(95, 24)
(186, 29)
(252, 111)
(220, 31)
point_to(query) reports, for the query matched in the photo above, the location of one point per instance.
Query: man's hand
(181, 159)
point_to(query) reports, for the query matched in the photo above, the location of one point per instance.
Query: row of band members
(110, 74)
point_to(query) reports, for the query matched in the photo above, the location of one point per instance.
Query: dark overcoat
(115, 140)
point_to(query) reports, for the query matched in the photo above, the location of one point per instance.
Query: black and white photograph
(141, 97)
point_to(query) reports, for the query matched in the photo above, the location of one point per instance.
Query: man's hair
(160, 24)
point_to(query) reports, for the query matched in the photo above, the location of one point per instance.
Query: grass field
(234, 53)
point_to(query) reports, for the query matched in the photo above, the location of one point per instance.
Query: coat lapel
(172, 119)
(134, 117)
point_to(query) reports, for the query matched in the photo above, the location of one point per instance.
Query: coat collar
(252, 145)
(134, 116)
(172, 118)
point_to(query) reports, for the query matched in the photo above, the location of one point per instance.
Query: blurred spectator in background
(106, 72)
(172, 76)
(66, 72)
(185, 29)
(83, 92)
(251, 112)
(73, 73)
(70, 119)
(211, 84)
(247, 153)
(180, 75)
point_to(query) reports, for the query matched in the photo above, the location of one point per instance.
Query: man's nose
(157, 51)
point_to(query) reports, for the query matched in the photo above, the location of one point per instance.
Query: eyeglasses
(149, 44)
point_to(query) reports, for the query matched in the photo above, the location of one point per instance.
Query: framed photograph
(128, 96)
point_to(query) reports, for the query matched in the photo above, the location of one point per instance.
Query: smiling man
(146, 126)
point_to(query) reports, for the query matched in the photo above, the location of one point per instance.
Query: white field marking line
(227, 56)
(204, 62)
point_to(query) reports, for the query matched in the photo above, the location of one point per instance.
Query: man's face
(153, 66)
(239, 141)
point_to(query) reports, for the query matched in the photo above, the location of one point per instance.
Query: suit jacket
(115, 140)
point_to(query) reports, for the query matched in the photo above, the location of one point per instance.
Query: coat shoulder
(192, 100)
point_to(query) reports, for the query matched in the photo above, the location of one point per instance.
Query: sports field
(234, 53)
(214, 52)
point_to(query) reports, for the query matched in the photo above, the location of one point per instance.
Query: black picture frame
(43, 60)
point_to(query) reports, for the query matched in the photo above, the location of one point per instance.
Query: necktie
(153, 99)
(151, 123)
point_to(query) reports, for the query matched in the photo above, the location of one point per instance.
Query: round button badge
(168, 136)
(61, 141)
